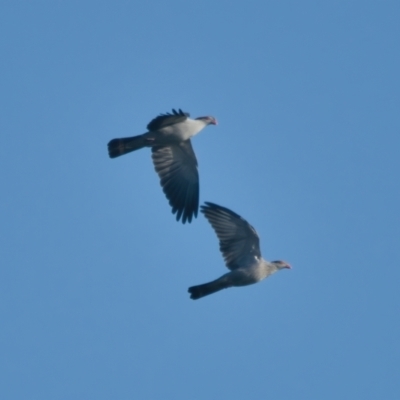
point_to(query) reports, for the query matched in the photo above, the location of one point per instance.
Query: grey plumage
(173, 157)
(240, 247)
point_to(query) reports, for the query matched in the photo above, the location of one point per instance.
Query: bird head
(208, 120)
(281, 264)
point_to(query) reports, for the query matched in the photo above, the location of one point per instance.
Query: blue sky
(95, 270)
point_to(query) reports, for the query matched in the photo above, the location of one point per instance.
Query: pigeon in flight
(240, 246)
(173, 157)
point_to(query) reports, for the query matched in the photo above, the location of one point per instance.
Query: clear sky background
(95, 269)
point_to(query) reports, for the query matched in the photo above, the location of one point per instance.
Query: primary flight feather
(173, 157)
(240, 247)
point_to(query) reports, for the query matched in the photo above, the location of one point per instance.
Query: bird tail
(119, 147)
(199, 291)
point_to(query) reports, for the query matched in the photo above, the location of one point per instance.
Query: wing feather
(238, 240)
(167, 119)
(176, 166)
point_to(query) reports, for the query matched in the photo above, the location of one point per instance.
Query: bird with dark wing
(173, 157)
(240, 247)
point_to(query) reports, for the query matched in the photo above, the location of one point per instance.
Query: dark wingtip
(186, 209)
(208, 205)
(186, 218)
(217, 208)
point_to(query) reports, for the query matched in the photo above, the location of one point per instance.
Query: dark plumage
(240, 246)
(173, 157)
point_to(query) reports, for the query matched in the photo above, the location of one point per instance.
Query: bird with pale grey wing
(173, 157)
(240, 247)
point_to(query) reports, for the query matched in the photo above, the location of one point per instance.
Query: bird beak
(288, 266)
(214, 122)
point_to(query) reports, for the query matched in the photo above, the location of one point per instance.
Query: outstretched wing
(238, 240)
(176, 166)
(167, 119)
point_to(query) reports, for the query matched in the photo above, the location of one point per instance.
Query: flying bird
(173, 157)
(240, 247)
